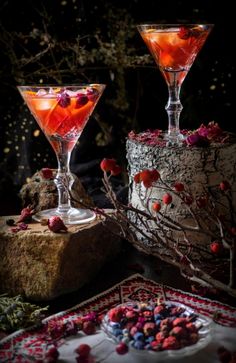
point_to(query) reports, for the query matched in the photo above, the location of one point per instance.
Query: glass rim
(174, 24)
(81, 85)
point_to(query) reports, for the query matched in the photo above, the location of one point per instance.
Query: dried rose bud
(56, 224)
(26, 215)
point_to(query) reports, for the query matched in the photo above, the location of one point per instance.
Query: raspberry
(159, 309)
(179, 322)
(115, 314)
(89, 327)
(167, 198)
(156, 207)
(149, 328)
(224, 186)
(83, 350)
(63, 99)
(122, 348)
(170, 343)
(179, 187)
(191, 327)
(107, 164)
(56, 224)
(81, 100)
(178, 331)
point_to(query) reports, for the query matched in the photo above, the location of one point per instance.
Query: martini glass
(62, 113)
(174, 48)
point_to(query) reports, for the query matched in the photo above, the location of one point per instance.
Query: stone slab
(42, 265)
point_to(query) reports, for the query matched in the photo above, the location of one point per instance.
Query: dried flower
(56, 224)
(26, 215)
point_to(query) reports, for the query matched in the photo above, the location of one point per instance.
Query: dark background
(79, 41)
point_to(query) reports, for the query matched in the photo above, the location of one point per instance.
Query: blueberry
(138, 336)
(138, 344)
(117, 332)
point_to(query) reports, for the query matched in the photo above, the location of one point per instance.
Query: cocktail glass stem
(173, 109)
(64, 181)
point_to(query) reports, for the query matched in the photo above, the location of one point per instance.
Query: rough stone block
(41, 264)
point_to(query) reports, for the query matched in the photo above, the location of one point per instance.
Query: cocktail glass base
(173, 139)
(73, 216)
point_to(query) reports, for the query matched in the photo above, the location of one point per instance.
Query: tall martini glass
(174, 48)
(62, 113)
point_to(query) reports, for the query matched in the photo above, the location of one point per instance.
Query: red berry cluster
(151, 327)
(110, 165)
(147, 177)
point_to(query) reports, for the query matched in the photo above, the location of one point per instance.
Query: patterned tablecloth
(30, 345)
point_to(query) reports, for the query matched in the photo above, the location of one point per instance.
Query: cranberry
(122, 348)
(81, 100)
(63, 99)
(88, 327)
(83, 350)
